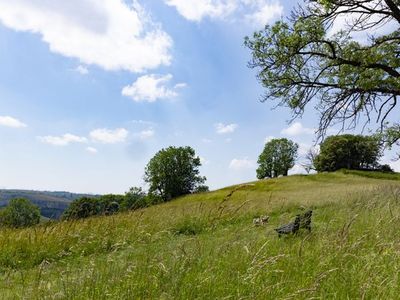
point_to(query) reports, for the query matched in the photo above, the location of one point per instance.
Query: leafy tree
(20, 212)
(135, 198)
(277, 158)
(82, 208)
(92, 206)
(109, 204)
(173, 172)
(348, 151)
(301, 63)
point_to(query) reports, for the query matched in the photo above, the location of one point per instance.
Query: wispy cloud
(222, 128)
(63, 140)
(150, 88)
(109, 136)
(265, 13)
(82, 70)
(297, 129)
(257, 12)
(91, 150)
(146, 134)
(11, 122)
(240, 164)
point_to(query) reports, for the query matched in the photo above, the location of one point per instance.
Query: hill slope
(205, 246)
(52, 204)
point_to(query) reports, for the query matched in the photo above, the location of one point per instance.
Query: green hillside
(205, 246)
(51, 204)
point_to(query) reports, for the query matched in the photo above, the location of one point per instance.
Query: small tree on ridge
(277, 158)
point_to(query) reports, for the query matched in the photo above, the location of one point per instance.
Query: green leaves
(299, 63)
(277, 158)
(20, 213)
(350, 152)
(173, 172)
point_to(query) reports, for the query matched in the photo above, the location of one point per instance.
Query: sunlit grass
(205, 246)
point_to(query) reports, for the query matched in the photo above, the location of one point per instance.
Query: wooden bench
(290, 228)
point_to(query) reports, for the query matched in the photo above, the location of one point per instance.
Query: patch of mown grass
(194, 248)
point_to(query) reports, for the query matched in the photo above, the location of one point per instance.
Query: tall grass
(205, 246)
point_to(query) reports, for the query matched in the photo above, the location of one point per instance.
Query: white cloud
(269, 138)
(204, 161)
(297, 129)
(224, 129)
(63, 140)
(240, 164)
(196, 10)
(146, 134)
(266, 13)
(259, 12)
(82, 70)
(91, 150)
(152, 87)
(11, 122)
(107, 33)
(109, 136)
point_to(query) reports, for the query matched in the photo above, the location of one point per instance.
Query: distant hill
(52, 204)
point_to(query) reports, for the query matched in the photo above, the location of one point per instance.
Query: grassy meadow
(205, 246)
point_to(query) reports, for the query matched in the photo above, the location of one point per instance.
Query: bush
(20, 212)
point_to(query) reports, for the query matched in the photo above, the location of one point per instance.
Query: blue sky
(90, 90)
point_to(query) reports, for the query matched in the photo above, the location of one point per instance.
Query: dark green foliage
(301, 64)
(20, 213)
(82, 208)
(135, 198)
(277, 158)
(348, 151)
(90, 206)
(173, 172)
(202, 189)
(110, 204)
(385, 168)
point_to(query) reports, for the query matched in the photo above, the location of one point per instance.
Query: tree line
(174, 171)
(347, 151)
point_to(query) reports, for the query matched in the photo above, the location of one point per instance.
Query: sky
(90, 90)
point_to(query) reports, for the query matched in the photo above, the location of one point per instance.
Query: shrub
(20, 212)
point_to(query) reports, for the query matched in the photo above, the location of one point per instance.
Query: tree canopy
(173, 171)
(348, 151)
(277, 158)
(20, 212)
(347, 75)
